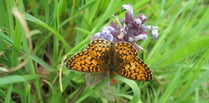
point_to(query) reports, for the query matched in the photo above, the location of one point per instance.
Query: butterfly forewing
(129, 65)
(92, 59)
(124, 52)
(100, 49)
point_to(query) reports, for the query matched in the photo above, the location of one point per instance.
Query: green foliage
(29, 73)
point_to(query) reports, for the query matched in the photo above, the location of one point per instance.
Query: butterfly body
(104, 56)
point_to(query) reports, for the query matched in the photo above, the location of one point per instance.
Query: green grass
(29, 73)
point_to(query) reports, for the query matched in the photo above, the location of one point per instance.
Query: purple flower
(155, 32)
(129, 8)
(106, 33)
(133, 29)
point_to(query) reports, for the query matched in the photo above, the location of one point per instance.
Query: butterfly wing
(130, 66)
(92, 59)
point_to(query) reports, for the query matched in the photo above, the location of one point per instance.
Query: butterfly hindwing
(135, 70)
(130, 66)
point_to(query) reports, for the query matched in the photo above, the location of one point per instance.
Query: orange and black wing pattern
(129, 65)
(92, 58)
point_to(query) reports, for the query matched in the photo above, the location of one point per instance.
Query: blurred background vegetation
(35, 36)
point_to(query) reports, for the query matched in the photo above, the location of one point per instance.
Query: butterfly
(114, 58)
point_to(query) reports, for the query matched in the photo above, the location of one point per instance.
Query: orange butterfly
(104, 56)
